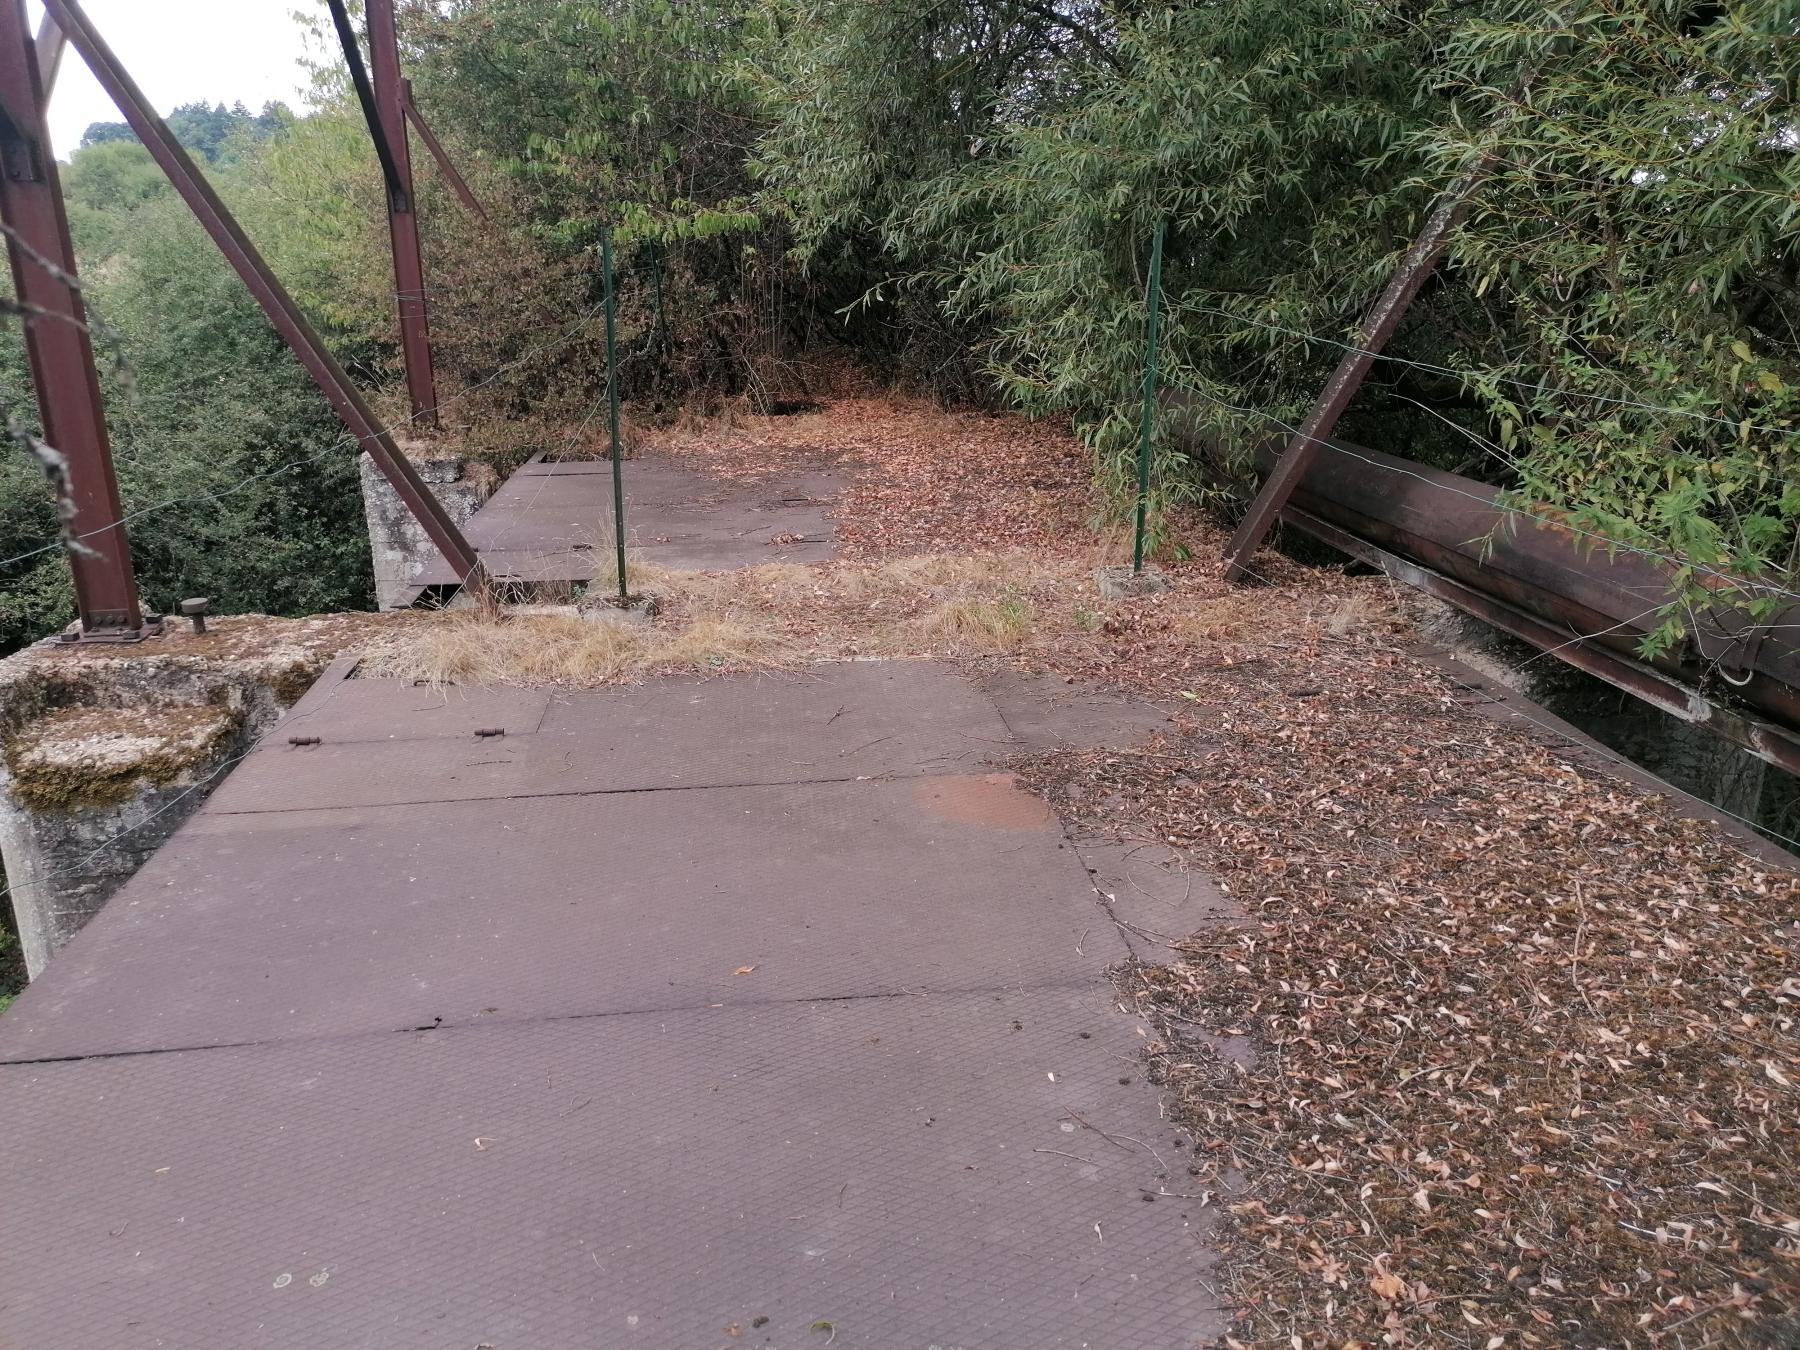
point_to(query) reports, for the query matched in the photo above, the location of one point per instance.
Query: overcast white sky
(181, 51)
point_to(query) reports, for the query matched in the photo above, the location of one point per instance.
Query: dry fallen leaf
(743, 970)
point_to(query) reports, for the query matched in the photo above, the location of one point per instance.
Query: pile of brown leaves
(1528, 1063)
(1528, 1042)
(926, 480)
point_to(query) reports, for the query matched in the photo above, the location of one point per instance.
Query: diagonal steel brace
(286, 316)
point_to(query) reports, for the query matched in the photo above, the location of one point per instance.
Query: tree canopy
(248, 482)
(207, 130)
(962, 195)
(968, 191)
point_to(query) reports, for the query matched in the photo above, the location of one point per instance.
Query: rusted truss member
(446, 166)
(381, 92)
(1377, 327)
(51, 44)
(1766, 740)
(76, 450)
(269, 292)
(1548, 584)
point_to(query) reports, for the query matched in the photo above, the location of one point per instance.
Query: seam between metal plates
(1096, 982)
(891, 776)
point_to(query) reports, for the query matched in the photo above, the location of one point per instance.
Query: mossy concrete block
(87, 794)
(398, 545)
(77, 759)
(105, 751)
(1121, 583)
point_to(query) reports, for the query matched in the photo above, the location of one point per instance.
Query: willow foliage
(1636, 257)
(629, 117)
(1613, 332)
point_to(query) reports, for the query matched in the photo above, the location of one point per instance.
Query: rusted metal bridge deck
(553, 521)
(754, 1011)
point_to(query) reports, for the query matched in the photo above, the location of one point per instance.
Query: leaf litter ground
(1527, 1069)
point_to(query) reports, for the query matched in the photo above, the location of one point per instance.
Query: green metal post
(1148, 418)
(612, 408)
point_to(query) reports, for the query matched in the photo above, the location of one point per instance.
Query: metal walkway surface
(553, 522)
(755, 1011)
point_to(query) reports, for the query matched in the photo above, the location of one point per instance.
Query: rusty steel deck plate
(861, 719)
(894, 1172)
(1044, 711)
(708, 1062)
(554, 522)
(307, 923)
(823, 723)
(389, 710)
(1155, 899)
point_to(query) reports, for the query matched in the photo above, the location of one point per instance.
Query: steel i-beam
(57, 344)
(403, 219)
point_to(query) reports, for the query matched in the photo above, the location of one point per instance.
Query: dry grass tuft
(1007, 602)
(973, 573)
(1232, 617)
(895, 586)
(715, 641)
(773, 583)
(568, 649)
(970, 627)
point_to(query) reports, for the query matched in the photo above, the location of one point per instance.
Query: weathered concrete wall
(397, 541)
(104, 753)
(1681, 754)
(65, 857)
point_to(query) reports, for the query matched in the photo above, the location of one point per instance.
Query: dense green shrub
(1613, 332)
(238, 479)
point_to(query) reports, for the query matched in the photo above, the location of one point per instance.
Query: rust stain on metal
(991, 799)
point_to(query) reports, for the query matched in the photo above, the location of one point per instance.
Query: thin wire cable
(581, 428)
(284, 722)
(438, 289)
(1735, 424)
(593, 412)
(1493, 448)
(1635, 620)
(1339, 447)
